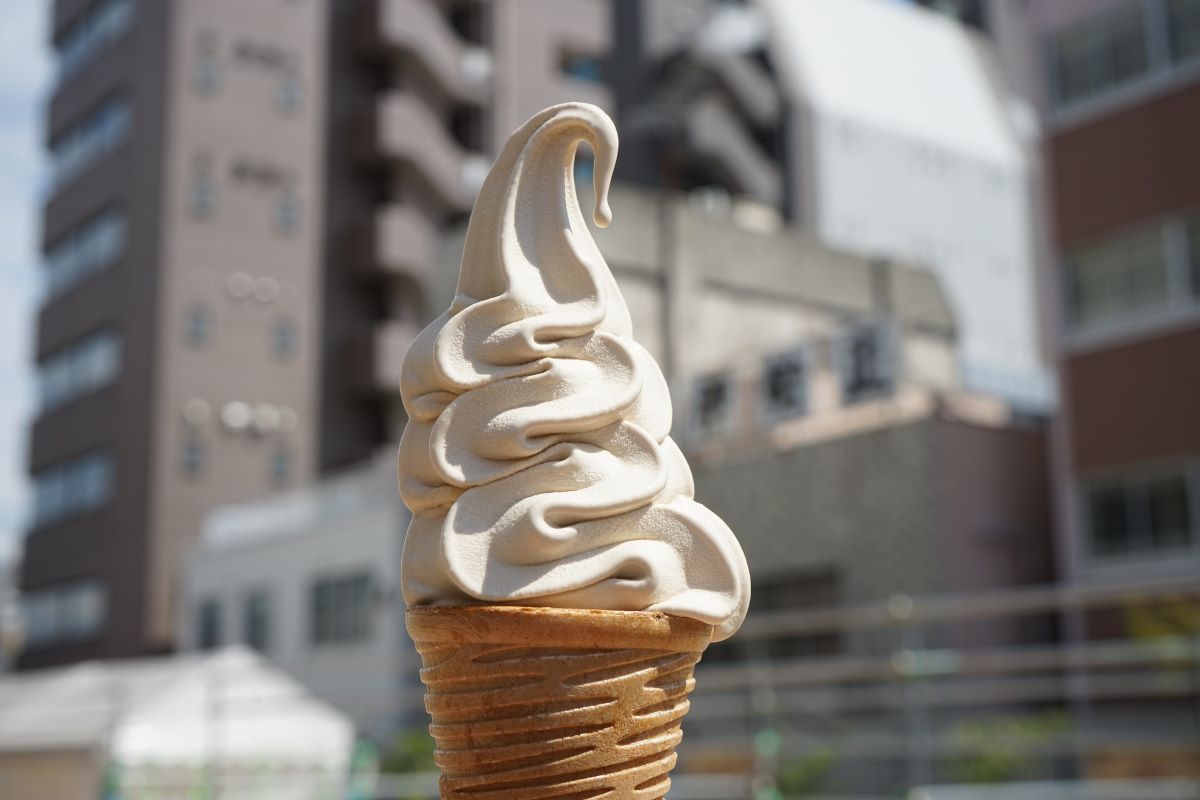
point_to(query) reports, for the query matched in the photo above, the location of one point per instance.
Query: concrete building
(819, 401)
(176, 343)
(242, 212)
(895, 132)
(310, 578)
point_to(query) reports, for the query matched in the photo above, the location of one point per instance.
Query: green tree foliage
(1003, 750)
(409, 752)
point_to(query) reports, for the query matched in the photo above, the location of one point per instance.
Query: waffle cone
(540, 703)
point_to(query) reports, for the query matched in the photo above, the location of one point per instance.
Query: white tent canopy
(229, 709)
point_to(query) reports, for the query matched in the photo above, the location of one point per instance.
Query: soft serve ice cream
(536, 460)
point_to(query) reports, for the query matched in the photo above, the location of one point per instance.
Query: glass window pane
(1127, 43)
(1193, 240)
(1183, 22)
(256, 620)
(208, 625)
(1168, 512)
(1072, 62)
(712, 401)
(1108, 516)
(865, 367)
(1144, 263)
(785, 385)
(1119, 277)
(1101, 53)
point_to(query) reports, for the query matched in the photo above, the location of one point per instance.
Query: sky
(24, 72)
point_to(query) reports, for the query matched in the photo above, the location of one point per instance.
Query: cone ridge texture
(555, 704)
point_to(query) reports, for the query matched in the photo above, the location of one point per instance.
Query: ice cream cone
(532, 703)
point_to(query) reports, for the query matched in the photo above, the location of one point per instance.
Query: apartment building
(427, 94)
(1117, 87)
(176, 339)
(242, 213)
(1122, 109)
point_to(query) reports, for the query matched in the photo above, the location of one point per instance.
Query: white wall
(908, 143)
(878, 192)
(365, 533)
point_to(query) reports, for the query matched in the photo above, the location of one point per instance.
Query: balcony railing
(418, 27)
(383, 355)
(404, 129)
(399, 241)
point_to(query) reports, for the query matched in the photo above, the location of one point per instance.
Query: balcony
(418, 28)
(398, 242)
(748, 85)
(380, 357)
(718, 136)
(404, 129)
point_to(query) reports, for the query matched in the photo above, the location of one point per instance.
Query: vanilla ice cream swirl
(536, 459)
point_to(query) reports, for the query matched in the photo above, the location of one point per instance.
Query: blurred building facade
(1120, 102)
(176, 343)
(427, 93)
(821, 110)
(242, 209)
(310, 578)
(836, 419)
(1123, 80)
(820, 401)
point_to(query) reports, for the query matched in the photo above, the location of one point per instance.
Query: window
(256, 620)
(1183, 22)
(866, 363)
(197, 325)
(90, 248)
(281, 465)
(202, 199)
(784, 385)
(341, 609)
(582, 67)
(90, 139)
(289, 95)
(191, 460)
(94, 31)
(287, 212)
(1121, 277)
(711, 402)
(71, 488)
(1141, 514)
(283, 338)
(69, 612)
(1192, 227)
(208, 625)
(206, 70)
(78, 369)
(1100, 54)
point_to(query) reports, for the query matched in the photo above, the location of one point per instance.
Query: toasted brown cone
(555, 704)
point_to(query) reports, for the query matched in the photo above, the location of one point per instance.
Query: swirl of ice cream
(536, 459)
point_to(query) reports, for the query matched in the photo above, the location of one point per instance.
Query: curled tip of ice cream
(536, 459)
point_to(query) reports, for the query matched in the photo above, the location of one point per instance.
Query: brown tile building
(1121, 106)
(239, 231)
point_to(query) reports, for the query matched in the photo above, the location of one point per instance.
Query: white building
(904, 141)
(311, 578)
